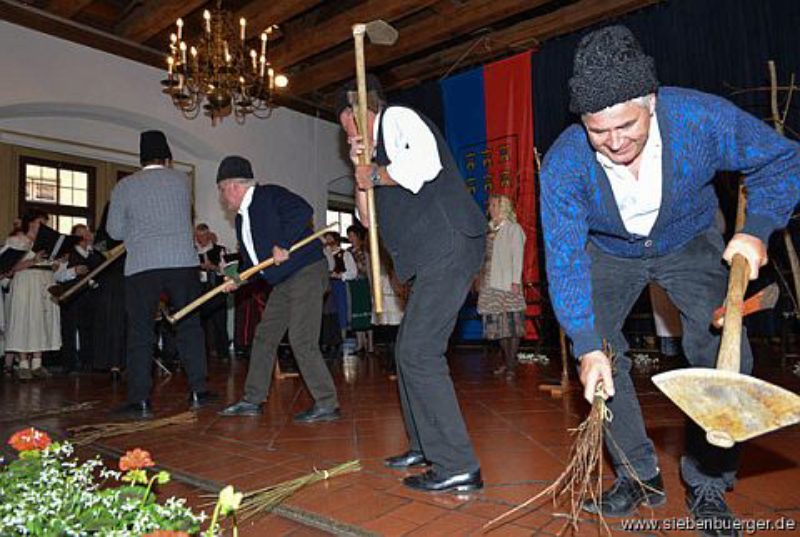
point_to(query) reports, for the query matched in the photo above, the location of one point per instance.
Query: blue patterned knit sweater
(702, 134)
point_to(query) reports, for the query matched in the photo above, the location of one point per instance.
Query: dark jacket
(278, 217)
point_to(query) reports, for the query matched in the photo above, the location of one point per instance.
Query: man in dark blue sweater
(627, 200)
(270, 219)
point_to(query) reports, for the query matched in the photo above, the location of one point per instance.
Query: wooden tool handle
(731, 344)
(112, 256)
(245, 275)
(364, 159)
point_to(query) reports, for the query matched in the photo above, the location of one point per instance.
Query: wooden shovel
(245, 275)
(729, 406)
(379, 33)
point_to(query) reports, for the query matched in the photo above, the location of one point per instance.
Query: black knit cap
(234, 167)
(153, 146)
(610, 68)
(373, 86)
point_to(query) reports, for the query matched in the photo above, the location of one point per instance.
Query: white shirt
(411, 147)
(247, 236)
(638, 200)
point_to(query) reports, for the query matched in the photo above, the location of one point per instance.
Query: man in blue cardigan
(269, 220)
(627, 199)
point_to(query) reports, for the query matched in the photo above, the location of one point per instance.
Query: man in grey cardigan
(151, 212)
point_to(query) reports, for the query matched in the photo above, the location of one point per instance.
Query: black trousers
(695, 279)
(433, 419)
(214, 315)
(77, 325)
(142, 292)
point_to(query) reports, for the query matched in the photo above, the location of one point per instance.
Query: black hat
(153, 146)
(234, 167)
(610, 68)
(374, 93)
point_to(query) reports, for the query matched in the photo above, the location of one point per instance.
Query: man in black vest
(434, 232)
(270, 219)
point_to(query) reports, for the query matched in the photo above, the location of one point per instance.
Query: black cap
(234, 167)
(153, 146)
(609, 68)
(375, 96)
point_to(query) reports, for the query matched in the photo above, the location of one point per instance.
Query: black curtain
(709, 45)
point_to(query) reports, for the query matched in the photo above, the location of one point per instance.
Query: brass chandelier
(219, 75)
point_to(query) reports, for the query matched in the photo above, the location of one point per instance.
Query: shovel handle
(730, 347)
(245, 275)
(364, 158)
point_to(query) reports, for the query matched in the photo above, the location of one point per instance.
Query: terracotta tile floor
(519, 432)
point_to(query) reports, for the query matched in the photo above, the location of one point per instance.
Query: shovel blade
(729, 406)
(381, 32)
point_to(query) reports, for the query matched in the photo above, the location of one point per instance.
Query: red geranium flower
(29, 440)
(135, 460)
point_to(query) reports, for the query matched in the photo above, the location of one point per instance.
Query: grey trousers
(695, 278)
(294, 304)
(433, 419)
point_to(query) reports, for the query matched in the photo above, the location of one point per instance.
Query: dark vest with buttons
(418, 229)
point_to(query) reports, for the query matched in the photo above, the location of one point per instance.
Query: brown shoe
(500, 371)
(40, 373)
(24, 374)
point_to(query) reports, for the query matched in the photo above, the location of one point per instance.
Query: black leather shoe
(198, 400)
(316, 414)
(627, 495)
(242, 408)
(140, 410)
(430, 481)
(711, 514)
(409, 459)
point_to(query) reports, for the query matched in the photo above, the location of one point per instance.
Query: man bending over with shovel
(434, 232)
(269, 219)
(627, 199)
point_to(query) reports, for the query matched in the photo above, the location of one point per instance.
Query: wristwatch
(376, 175)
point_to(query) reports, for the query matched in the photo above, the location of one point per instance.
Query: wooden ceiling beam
(338, 29)
(67, 8)
(261, 14)
(46, 22)
(521, 36)
(413, 39)
(153, 16)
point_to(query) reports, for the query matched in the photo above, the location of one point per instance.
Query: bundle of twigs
(86, 434)
(582, 479)
(264, 500)
(77, 407)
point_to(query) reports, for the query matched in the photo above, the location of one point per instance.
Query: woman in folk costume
(360, 296)
(34, 321)
(342, 268)
(500, 300)
(395, 294)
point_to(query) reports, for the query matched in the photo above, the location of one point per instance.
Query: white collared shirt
(638, 199)
(410, 146)
(247, 236)
(153, 166)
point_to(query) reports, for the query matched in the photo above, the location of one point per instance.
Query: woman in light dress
(500, 299)
(33, 325)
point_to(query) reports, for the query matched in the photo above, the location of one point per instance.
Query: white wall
(56, 88)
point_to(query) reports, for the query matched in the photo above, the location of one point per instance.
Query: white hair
(645, 101)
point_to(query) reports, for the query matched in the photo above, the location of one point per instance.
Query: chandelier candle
(220, 75)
